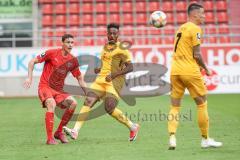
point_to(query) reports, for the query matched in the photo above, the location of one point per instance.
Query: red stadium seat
(101, 31)
(47, 20)
(141, 18)
(87, 19)
(170, 18)
(181, 6)
(88, 42)
(141, 30)
(127, 7)
(141, 7)
(87, 8)
(168, 40)
(208, 5)
(47, 32)
(169, 29)
(224, 39)
(221, 5)
(209, 17)
(140, 41)
(60, 8)
(101, 19)
(74, 20)
(60, 31)
(114, 18)
(167, 6)
(60, 1)
(127, 18)
(74, 30)
(155, 40)
(47, 9)
(223, 28)
(100, 41)
(222, 17)
(114, 7)
(60, 20)
(154, 6)
(210, 29)
(47, 42)
(181, 18)
(154, 31)
(127, 30)
(72, 1)
(74, 8)
(212, 39)
(101, 7)
(87, 31)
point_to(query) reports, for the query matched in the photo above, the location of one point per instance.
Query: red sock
(49, 122)
(65, 119)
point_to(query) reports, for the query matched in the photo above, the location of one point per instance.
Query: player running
(58, 63)
(115, 63)
(185, 73)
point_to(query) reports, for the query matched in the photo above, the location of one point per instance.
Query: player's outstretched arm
(28, 80)
(82, 84)
(198, 57)
(127, 69)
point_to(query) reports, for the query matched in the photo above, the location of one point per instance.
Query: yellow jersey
(113, 58)
(183, 62)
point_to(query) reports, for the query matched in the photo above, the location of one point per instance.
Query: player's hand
(97, 70)
(208, 72)
(109, 78)
(27, 83)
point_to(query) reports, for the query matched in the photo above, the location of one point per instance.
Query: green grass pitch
(22, 132)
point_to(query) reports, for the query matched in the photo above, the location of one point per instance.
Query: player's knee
(200, 100)
(72, 103)
(89, 101)
(110, 105)
(50, 104)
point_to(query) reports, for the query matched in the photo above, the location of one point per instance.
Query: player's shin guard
(65, 119)
(49, 122)
(203, 121)
(173, 119)
(118, 115)
(83, 114)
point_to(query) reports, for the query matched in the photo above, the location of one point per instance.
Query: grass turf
(22, 132)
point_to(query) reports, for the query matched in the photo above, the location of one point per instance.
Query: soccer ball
(158, 19)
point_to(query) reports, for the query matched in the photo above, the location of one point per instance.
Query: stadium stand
(93, 15)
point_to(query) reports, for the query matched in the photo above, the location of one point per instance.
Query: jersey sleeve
(127, 56)
(44, 56)
(76, 71)
(196, 34)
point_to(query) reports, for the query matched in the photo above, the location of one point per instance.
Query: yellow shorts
(194, 84)
(104, 90)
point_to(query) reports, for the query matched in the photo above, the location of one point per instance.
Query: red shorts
(46, 92)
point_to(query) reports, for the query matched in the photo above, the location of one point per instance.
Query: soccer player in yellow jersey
(185, 73)
(115, 63)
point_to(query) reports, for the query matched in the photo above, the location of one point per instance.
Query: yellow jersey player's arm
(198, 57)
(196, 34)
(128, 67)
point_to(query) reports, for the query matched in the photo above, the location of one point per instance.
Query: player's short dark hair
(66, 36)
(193, 6)
(113, 25)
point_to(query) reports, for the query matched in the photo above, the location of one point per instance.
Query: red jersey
(56, 68)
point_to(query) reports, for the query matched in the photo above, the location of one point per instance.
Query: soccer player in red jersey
(58, 63)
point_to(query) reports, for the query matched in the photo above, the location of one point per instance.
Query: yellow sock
(118, 115)
(203, 122)
(173, 119)
(83, 114)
